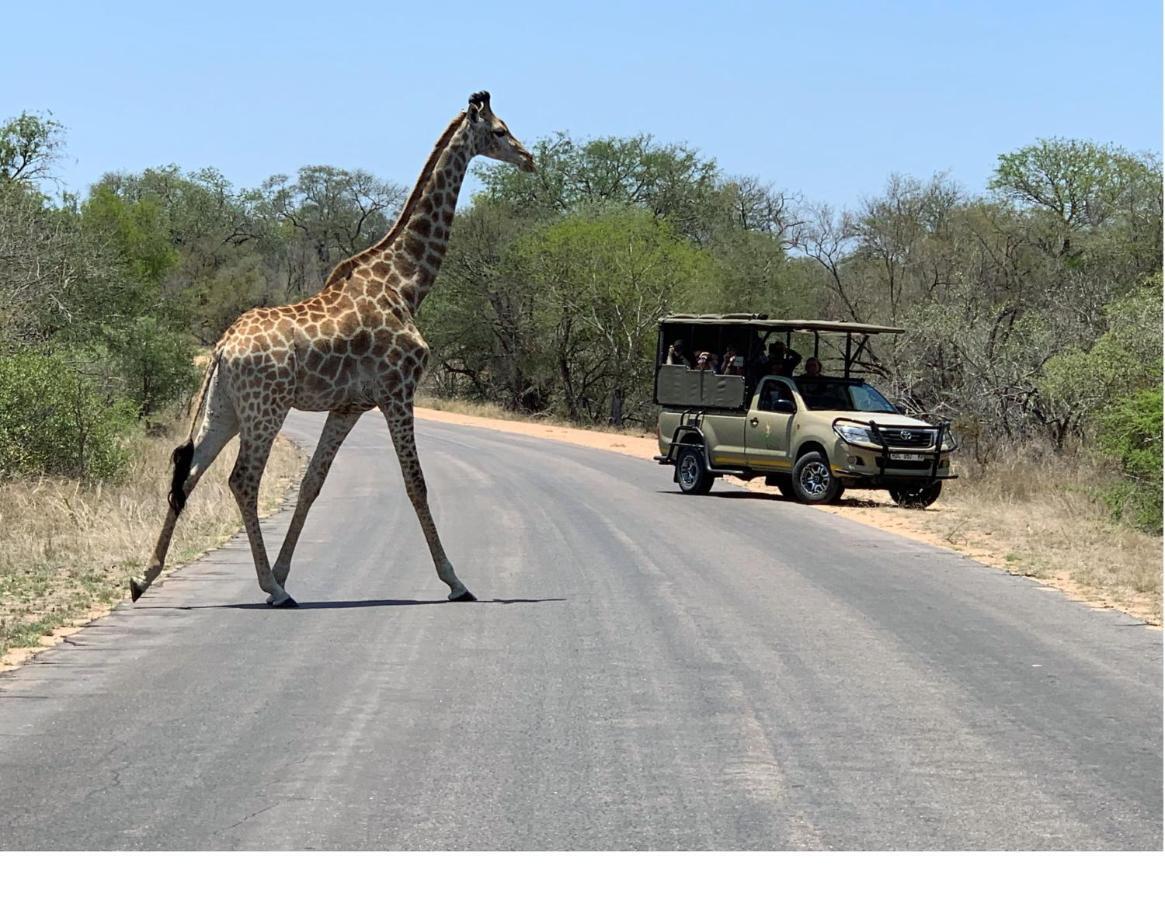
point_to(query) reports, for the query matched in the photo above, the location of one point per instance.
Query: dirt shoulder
(956, 524)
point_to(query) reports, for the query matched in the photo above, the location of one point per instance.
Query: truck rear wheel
(691, 473)
(813, 482)
(916, 496)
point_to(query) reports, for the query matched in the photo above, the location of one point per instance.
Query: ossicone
(480, 98)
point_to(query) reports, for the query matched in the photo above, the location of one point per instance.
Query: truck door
(725, 435)
(770, 426)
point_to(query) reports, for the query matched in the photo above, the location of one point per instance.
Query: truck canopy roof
(761, 322)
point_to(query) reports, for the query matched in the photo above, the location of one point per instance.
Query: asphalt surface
(652, 671)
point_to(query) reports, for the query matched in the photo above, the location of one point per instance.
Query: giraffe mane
(344, 269)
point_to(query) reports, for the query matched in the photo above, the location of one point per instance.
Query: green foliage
(599, 283)
(1079, 384)
(1131, 434)
(670, 181)
(1089, 204)
(53, 421)
(1079, 182)
(137, 231)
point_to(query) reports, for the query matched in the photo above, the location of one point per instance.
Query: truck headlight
(950, 442)
(855, 434)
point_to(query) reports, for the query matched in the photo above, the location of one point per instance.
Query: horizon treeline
(1032, 309)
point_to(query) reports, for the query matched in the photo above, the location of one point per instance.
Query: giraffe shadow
(363, 604)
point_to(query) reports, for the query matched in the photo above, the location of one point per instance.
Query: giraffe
(352, 347)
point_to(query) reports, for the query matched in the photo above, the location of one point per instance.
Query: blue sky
(825, 98)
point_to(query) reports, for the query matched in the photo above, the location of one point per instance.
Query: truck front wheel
(813, 482)
(691, 473)
(916, 496)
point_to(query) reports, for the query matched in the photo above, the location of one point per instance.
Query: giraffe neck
(414, 248)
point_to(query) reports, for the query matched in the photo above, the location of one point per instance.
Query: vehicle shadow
(361, 604)
(751, 495)
(738, 495)
(847, 502)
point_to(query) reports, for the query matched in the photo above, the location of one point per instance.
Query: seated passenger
(704, 361)
(813, 367)
(735, 365)
(781, 360)
(677, 355)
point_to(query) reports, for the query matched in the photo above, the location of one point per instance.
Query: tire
(691, 473)
(812, 481)
(917, 496)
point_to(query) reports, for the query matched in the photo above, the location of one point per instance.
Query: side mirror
(901, 407)
(785, 406)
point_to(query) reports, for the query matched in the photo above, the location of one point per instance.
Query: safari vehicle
(812, 437)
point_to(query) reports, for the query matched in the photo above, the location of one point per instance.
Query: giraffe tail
(183, 455)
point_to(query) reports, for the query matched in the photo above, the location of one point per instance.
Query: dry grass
(69, 548)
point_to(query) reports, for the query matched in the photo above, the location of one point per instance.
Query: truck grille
(906, 437)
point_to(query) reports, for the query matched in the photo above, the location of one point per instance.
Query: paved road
(654, 672)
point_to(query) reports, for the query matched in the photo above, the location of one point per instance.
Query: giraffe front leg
(400, 425)
(335, 430)
(254, 448)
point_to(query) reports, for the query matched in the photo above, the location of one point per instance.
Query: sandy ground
(939, 525)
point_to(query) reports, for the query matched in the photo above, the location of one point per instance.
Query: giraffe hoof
(467, 597)
(136, 589)
(286, 603)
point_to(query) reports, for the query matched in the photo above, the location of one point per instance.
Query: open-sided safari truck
(810, 435)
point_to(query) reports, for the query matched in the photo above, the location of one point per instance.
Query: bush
(155, 365)
(54, 421)
(1131, 434)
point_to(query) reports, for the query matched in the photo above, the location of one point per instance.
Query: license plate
(908, 457)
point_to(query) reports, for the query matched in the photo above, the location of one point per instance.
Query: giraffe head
(492, 138)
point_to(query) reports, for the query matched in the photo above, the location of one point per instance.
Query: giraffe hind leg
(191, 460)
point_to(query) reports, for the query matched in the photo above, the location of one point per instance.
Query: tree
(670, 181)
(328, 215)
(29, 146)
(600, 283)
(1080, 186)
(47, 266)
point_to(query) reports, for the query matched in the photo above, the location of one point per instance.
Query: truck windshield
(841, 396)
